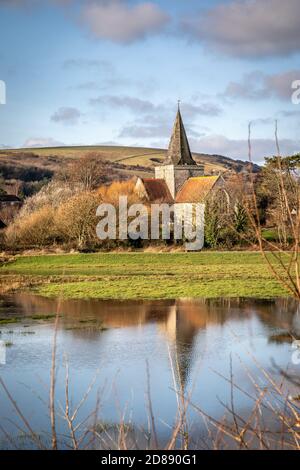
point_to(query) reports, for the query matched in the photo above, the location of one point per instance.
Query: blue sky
(99, 71)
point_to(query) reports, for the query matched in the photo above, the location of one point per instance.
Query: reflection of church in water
(185, 319)
(181, 326)
(181, 322)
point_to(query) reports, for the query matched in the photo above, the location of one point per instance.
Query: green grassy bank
(146, 275)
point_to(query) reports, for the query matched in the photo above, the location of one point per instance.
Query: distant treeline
(26, 174)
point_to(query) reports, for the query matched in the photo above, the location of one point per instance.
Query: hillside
(37, 164)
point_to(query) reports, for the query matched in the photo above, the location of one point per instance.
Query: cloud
(144, 131)
(140, 106)
(267, 121)
(104, 74)
(156, 130)
(210, 144)
(14, 3)
(69, 116)
(37, 142)
(91, 85)
(108, 143)
(102, 65)
(154, 127)
(281, 84)
(290, 114)
(11, 2)
(238, 148)
(244, 28)
(107, 83)
(203, 109)
(120, 22)
(155, 120)
(251, 87)
(133, 104)
(26, 3)
(115, 20)
(259, 86)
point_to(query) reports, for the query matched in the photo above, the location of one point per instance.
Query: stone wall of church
(183, 173)
(176, 176)
(166, 172)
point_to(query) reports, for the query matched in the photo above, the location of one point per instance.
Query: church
(179, 179)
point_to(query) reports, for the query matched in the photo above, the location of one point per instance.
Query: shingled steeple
(179, 166)
(179, 152)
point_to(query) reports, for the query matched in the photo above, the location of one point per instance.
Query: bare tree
(76, 219)
(282, 258)
(89, 171)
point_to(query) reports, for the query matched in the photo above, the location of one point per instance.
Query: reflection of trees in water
(199, 313)
(180, 320)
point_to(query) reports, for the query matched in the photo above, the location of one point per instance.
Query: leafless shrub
(88, 172)
(36, 229)
(110, 193)
(273, 421)
(76, 219)
(53, 194)
(281, 258)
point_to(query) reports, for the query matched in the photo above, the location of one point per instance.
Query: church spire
(179, 152)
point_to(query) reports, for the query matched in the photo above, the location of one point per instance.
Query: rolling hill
(36, 164)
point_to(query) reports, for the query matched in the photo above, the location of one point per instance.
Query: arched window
(222, 198)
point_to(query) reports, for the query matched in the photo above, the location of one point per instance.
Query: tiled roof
(196, 189)
(157, 190)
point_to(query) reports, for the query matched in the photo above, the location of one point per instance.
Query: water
(112, 343)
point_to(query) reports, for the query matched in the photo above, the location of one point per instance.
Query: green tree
(240, 218)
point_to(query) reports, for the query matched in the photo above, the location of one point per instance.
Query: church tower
(179, 164)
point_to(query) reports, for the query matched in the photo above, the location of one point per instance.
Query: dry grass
(53, 158)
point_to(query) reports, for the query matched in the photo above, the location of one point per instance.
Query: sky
(89, 72)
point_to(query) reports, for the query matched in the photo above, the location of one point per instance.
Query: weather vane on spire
(179, 101)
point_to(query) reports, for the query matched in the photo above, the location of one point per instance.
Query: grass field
(145, 275)
(53, 158)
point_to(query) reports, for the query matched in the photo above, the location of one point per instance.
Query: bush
(76, 219)
(51, 195)
(228, 237)
(212, 229)
(36, 229)
(241, 220)
(57, 215)
(110, 194)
